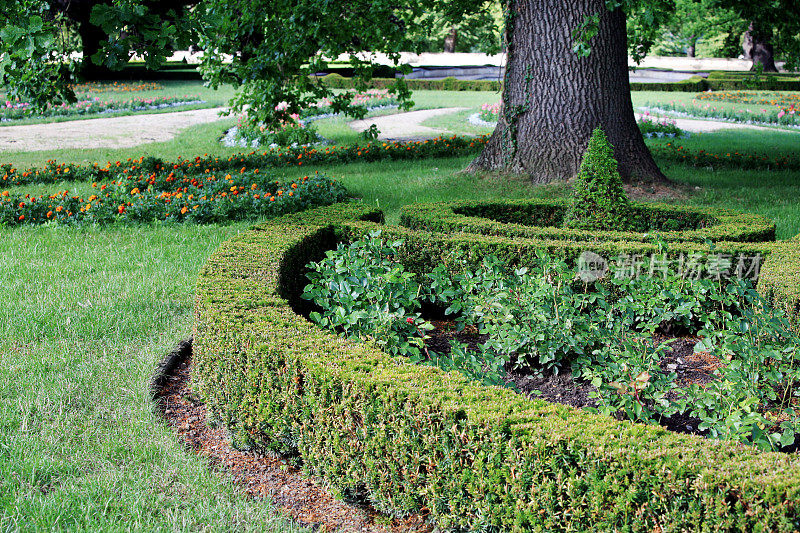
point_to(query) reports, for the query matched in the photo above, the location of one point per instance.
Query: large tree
(566, 68)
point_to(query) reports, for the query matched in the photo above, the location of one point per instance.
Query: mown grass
(86, 313)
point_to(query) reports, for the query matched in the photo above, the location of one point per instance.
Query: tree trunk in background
(450, 41)
(761, 51)
(747, 45)
(553, 99)
(691, 49)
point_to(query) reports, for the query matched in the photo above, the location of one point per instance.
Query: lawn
(87, 312)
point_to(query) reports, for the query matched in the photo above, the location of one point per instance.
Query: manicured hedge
(732, 81)
(541, 219)
(416, 439)
(692, 85)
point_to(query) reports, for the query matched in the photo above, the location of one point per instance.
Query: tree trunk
(553, 99)
(692, 48)
(450, 41)
(747, 45)
(761, 51)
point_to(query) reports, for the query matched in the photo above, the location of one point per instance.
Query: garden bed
(411, 438)
(543, 219)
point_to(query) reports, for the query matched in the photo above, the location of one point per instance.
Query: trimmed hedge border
(695, 84)
(487, 218)
(415, 439)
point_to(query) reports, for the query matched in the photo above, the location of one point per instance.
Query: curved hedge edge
(779, 281)
(725, 225)
(414, 438)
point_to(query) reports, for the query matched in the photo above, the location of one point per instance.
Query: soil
(563, 388)
(264, 476)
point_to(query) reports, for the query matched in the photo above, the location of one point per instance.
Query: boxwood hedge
(415, 439)
(541, 219)
(717, 81)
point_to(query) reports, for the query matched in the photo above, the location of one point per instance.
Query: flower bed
(281, 157)
(178, 196)
(417, 439)
(774, 115)
(620, 333)
(22, 110)
(115, 87)
(542, 219)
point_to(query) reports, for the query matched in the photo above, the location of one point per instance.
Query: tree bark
(553, 99)
(450, 41)
(761, 50)
(692, 48)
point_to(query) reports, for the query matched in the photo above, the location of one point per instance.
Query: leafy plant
(367, 295)
(628, 378)
(598, 200)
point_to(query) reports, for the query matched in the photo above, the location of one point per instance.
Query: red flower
(409, 320)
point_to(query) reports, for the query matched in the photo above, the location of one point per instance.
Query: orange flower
(21, 218)
(49, 214)
(5, 193)
(21, 205)
(135, 191)
(272, 199)
(184, 209)
(59, 208)
(121, 209)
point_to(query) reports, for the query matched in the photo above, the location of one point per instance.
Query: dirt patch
(565, 389)
(263, 476)
(406, 126)
(110, 132)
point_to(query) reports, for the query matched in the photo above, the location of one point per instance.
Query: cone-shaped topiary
(598, 200)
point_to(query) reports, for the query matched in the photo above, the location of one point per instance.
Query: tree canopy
(269, 48)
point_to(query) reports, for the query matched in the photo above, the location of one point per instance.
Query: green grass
(86, 313)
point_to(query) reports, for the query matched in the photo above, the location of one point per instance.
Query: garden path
(405, 125)
(109, 132)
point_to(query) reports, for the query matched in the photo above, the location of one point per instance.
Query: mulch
(263, 476)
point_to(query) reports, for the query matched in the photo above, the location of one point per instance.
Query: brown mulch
(262, 476)
(691, 368)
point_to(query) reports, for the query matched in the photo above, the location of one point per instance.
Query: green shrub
(543, 220)
(416, 439)
(598, 200)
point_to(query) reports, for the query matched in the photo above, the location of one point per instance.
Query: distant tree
(771, 24)
(697, 22)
